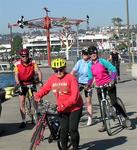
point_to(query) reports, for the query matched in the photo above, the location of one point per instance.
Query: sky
(100, 12)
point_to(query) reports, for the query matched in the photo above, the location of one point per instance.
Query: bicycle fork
(103, 103)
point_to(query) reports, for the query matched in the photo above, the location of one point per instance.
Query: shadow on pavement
(13, 128)
(131, 113)
(5, 100)
(134, 122)
(104, 144)
(128, 80)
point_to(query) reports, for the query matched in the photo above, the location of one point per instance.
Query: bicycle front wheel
(60, 145)
(120, 116)
(37, 136)
(28, 106)
(106, 118)
(30, 109)
(120, 102)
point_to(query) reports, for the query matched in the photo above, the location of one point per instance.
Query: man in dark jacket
(115, 60)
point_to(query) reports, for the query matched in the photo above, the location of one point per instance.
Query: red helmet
(24, 52)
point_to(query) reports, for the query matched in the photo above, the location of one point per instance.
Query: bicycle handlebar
(45, 106)
(103, 86)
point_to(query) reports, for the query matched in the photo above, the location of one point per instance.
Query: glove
(60, 108)
(18, 88)
(111, 84)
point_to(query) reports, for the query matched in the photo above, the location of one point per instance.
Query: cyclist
(81, 69)
(25, 70)
(69, 102)
(103, 72)
(114, 58)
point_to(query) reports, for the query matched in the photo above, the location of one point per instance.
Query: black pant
(117, 65)
(69, 125)
(113, 97)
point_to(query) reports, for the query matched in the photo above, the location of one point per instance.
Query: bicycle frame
(105, 111)
(42, 123)
(30, 105)
(108, 111)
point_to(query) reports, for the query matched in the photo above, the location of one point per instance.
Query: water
(6, 79)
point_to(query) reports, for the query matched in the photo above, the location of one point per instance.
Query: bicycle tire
(30, 109)
(28, 106)
(34, 116)
(60, 145)
(37, 136)
(120, 102)
(106, 118)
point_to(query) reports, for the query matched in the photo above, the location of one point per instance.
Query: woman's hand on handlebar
(111, 84)
(60, 108)
(36, 98)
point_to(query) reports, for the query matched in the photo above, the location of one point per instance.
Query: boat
(5, 68)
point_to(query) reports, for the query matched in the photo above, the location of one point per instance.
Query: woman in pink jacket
(68, 100)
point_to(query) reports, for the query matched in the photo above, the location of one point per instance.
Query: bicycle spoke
(106, 118)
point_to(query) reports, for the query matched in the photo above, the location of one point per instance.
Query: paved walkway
(91, 139)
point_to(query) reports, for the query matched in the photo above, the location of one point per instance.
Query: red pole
(47, 26)
(48, 46)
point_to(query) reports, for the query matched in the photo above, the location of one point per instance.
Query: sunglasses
(23, 56)
(93, 53)
(58, 70)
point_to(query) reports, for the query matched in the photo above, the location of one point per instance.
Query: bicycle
(30, 104)
(109, 112)
(48, 117)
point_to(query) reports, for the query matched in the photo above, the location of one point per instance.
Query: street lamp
(77, 25)
(128, 33)
(11, 37)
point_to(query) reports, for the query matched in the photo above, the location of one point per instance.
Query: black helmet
(92, 50)
(85, 52)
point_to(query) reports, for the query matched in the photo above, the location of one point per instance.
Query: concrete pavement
(91, 139)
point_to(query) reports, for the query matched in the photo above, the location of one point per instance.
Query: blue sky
(100, 11)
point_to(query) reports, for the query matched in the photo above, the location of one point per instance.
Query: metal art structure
(45, 23)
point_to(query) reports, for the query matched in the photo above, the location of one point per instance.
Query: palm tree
(117, 21)
(117, 24)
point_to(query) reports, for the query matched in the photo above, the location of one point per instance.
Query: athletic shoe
(89, 122)
(128, 124)
(102, 129)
